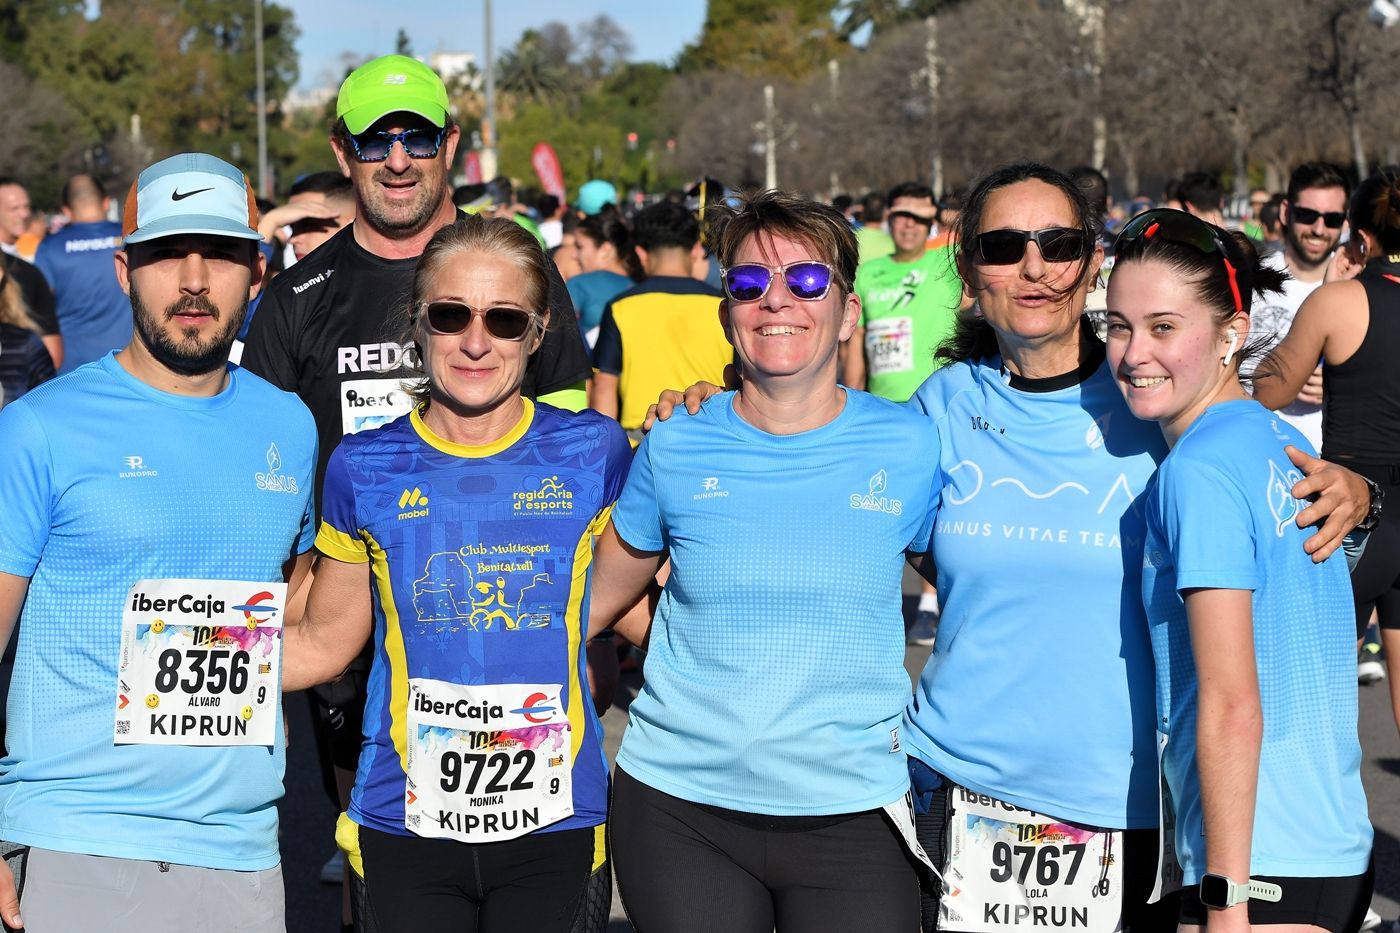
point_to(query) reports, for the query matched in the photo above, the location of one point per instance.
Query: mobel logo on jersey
(414, 503)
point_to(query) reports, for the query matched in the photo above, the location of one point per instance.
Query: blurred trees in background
(867, 92)
(1149, 88)
(141, 80)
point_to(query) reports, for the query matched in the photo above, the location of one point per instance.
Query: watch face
(1215, 891)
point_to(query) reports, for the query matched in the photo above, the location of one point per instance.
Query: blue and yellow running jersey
(478, 559)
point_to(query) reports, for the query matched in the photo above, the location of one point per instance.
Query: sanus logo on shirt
(273, 480)
(872, 501)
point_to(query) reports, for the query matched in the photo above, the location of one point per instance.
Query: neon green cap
(389, 84)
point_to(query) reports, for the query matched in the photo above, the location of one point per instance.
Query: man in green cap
(320, 331)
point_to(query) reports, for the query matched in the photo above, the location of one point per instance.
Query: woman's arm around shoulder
(623, 589)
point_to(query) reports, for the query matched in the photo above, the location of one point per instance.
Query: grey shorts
(62, 892)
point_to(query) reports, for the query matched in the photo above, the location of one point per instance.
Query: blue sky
(659, 28)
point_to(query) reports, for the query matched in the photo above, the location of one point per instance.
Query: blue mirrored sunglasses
(748, 281)
(418, 143)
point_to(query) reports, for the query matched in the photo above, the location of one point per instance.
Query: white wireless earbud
(1234, 339)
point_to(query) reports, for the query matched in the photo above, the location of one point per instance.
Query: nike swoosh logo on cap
(177, 196)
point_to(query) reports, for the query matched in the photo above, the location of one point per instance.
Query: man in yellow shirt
(663, 332)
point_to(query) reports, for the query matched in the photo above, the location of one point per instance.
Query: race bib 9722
(200, 663)
(486, 762)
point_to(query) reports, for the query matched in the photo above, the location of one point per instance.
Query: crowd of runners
(450, 461)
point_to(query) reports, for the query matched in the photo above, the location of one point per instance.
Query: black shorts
(1335, 904)
(337, 719)
(1375, 580)
(1139, 868)
(540, 883)
(687, 868)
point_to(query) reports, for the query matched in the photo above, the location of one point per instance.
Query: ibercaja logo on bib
(486, 762)
(256, 609)
(536, 708)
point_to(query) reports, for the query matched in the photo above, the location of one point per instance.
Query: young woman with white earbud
(1255, 664)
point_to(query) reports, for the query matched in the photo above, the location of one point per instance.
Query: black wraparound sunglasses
(1005, 247)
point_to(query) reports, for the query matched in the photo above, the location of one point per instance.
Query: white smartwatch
(1219, 891)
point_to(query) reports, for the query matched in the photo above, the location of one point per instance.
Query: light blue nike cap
(192, 192)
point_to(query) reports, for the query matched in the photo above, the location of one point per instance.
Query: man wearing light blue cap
(157, 499)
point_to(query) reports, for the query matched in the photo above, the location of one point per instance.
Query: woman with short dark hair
(762, 768)
(610, 266)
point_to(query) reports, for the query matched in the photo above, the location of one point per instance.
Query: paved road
(308, 818)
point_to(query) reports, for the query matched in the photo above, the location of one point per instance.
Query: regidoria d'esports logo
(551, 498)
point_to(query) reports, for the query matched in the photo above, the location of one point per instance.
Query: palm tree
(531, 71)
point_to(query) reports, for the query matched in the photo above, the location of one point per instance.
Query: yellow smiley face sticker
(252, 624)
(158, 626)
(152, 701)
(247, 713)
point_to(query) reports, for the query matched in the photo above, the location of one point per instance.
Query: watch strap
(1373, 515)
(1263, 891)
(1237, 892)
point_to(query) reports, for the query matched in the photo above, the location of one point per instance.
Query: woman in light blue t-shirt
(762, 780)
(1036, 707)
(1253, 641)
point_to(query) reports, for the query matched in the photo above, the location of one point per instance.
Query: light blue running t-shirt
(1220, 515)
(774, 676)
(1039, 688)
(107, 481)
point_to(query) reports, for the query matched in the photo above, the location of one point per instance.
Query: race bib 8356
(200, 663)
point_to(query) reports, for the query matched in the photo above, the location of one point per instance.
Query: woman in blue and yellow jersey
(460, 536)
(762, 779)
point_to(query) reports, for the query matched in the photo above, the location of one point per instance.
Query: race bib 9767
(1010, 868)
